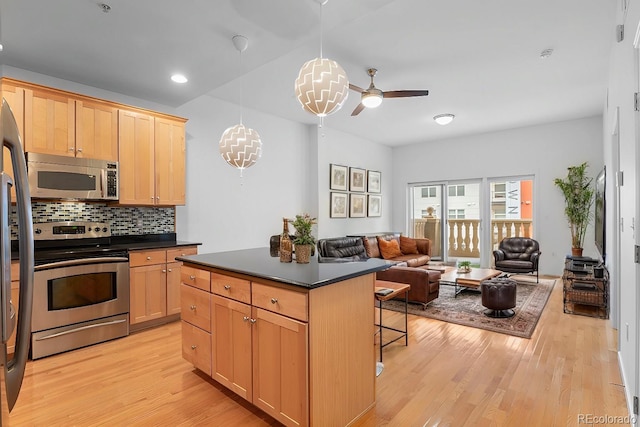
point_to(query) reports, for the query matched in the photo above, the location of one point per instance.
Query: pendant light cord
(321, 29)
(241, 90)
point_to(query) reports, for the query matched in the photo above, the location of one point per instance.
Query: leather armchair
(518, 255)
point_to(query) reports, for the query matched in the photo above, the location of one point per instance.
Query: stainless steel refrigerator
(12, 370)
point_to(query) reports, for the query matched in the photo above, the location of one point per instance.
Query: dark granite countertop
(258, 263)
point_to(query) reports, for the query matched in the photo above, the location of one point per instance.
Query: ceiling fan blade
(358, 109)
(356, 88)
(404, 93)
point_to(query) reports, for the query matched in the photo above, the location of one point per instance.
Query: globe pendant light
(322, 85)
(240, 146)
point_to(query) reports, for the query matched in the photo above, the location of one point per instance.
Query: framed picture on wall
(357, 205)
(338, 205)
(374, 184)
(338, 177)
(356, 179)
(374, 205)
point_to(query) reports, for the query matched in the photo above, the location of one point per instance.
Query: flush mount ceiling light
(179, 78)
(443, 119)
(322, 85)
(371, 98)
(240, 146)
(104, 7)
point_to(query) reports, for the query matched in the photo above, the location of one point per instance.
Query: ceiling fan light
(371, 100)
(322, 86)
(443, 119)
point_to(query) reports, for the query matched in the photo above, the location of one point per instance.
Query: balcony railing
(464, 234)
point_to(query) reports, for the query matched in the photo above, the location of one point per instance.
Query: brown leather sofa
(424, 283)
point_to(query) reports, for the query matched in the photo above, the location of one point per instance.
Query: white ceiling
(478, 58)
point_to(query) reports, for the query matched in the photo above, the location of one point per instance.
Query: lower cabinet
(305, 357)
(154, 280)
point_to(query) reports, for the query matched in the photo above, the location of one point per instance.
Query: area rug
(466, 309)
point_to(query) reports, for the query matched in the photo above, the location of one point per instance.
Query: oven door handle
(82, 261)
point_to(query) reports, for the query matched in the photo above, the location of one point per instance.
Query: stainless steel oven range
(81, 287)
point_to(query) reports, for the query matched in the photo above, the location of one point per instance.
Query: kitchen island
(296, 340)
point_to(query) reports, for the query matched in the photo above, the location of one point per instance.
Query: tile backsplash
(122, 220)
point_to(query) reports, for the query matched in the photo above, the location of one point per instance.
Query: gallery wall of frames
(355, 192)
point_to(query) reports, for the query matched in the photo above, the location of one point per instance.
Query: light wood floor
(449, 375)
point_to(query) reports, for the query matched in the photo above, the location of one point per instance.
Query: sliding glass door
(466, 220)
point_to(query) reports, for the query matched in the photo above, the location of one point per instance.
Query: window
(456, 213)
(456, 190)
(499, 191)
(428, 192)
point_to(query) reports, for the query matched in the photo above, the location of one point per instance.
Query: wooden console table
(585, 294)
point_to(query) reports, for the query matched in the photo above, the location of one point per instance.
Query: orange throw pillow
(389, 248)
(408, 245)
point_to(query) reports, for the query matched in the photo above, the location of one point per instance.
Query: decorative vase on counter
(286, 245)
(274, 246)
(303, 253)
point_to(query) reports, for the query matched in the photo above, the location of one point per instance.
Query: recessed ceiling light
(443, 119)
(179, 78)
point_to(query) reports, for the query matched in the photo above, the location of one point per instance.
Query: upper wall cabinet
(14, 96)
(49, 122)
(152, 159)
(96, 130)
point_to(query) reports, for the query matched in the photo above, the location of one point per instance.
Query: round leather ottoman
(499, 297)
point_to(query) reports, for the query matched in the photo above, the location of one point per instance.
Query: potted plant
(578, 195)
(464, 266)
(303, 240)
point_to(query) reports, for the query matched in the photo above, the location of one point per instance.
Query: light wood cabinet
(96, 130)
(154, 281)
(152, 159)
(49, 122)
(14, 96)
(259, 354)
(303, 356)
(196, 347)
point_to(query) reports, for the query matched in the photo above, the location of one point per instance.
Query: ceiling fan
(372, 96)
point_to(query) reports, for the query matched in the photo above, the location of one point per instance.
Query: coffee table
(471, 280)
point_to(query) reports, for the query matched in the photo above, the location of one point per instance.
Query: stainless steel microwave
(61, 177)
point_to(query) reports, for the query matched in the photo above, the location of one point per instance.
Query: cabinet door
(49, 122)
(196, 347)
(280, 368)
(173, 288)
(148, 293)
(136, 147)
(169, 161)
(96, 130)
(14, 96)
(231, 345)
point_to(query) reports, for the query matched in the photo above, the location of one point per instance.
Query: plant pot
(303, 253)
(576, 251)
(464, 269)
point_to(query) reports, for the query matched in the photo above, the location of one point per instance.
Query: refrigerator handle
(14, 368)
(5, 258)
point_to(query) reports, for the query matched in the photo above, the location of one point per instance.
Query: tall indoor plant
(303, 240)
(578, 195)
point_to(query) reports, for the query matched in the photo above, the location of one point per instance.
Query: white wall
(543, 151)
(343, 149)
(224, 211)
(623, 82)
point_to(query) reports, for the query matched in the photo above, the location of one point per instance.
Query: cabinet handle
(192, 307)
(157, 197)
(245, 318)
(79, 150)
(227, 287)
(274, 300)
(71, 149)
(193, 347)
(192, 277)
(170, 270)
(252, 320)
(164, 271)
(148, 258)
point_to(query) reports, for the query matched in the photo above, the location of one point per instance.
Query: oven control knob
(96, 229)
(37, 231)
(104, 229)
